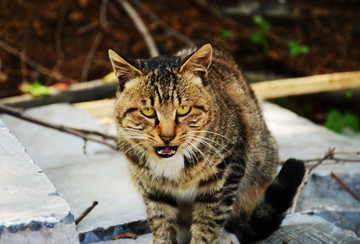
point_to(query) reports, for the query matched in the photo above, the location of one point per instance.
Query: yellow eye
(183, 110)
(148, 112)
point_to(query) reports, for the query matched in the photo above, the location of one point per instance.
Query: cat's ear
(124, 71)
(198, 62)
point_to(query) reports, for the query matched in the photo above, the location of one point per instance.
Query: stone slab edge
(31, 209)
(140, 227)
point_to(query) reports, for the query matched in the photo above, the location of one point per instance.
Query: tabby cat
(198, 147)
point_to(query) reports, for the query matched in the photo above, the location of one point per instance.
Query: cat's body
(198, 147)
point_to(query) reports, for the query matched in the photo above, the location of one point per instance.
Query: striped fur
(209, 168)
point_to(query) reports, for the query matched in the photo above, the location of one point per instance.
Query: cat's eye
(148, 112)
(183, 110)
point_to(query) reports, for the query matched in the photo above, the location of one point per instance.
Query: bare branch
(96, 43)
(141, 27)
(217, 14)
(329, 154)
(76, 132)
(86, 212)
(53, 74)
(162, 24)
(58, 41)
(353, 194)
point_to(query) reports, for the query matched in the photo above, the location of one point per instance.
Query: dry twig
(217, 13)
(162, 24)
(96, 43)
(84, 134)
(353, 194)
(141, 27)
(86, 212)
(329, 154)
(58, 41)
(286, 241)
(53, 74)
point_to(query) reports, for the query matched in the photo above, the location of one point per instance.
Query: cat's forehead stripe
(163, 84)
(164, 62)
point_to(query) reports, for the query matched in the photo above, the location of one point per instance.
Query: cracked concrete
(101, 174)
(31, 209)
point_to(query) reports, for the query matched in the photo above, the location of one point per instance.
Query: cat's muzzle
(166, 151)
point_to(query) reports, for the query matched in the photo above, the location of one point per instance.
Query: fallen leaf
(125, 235)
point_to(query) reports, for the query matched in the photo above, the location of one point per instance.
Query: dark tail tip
(282, 190)
(270, 210)
(292, 172)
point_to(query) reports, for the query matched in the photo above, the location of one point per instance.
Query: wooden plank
(106, 87)
(307, 85)
(81, 92)
(99, 108)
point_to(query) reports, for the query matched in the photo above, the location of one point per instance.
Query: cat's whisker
(136, 134)
(210, 132)
(135, 147)
(209, 140)
(196, 147)
(191, 154)
(207, 165)
(200, 140)
(215, 142)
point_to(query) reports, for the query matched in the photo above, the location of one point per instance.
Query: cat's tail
(271, 209)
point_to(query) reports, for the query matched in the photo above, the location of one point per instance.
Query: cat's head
(163, 106)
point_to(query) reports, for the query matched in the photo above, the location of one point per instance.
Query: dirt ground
(72, 37)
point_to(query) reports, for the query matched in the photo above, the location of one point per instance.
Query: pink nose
(166, 138)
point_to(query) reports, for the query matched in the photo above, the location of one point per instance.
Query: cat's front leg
(208, 222)
(162, 221)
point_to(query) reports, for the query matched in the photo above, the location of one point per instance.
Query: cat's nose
(167, 138)
(167, 130)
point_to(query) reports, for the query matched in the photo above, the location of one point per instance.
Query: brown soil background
(59, 34)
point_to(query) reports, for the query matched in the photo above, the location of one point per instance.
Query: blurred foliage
(226, 35)
(259, 37)
(337, 121)
(334, 119)
(262, 23)
(349, 95)
(35, 89)
(295, 49)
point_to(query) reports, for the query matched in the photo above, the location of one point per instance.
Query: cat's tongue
(166, 151)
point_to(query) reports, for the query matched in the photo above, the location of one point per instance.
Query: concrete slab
(101, 174)
(300, 138)
(296, 228)
(31, 208)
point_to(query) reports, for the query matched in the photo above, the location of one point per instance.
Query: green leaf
(296, 49)
(337, 121)
(36, 89)
(262, 23)
(351, 121)
(226, 35)
(348, 95)
(257, 37)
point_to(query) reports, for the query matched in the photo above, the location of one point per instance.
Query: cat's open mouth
(166, 151)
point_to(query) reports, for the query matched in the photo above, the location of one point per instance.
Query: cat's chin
(166, 151)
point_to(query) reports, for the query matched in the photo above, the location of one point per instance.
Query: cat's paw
(228, 238)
